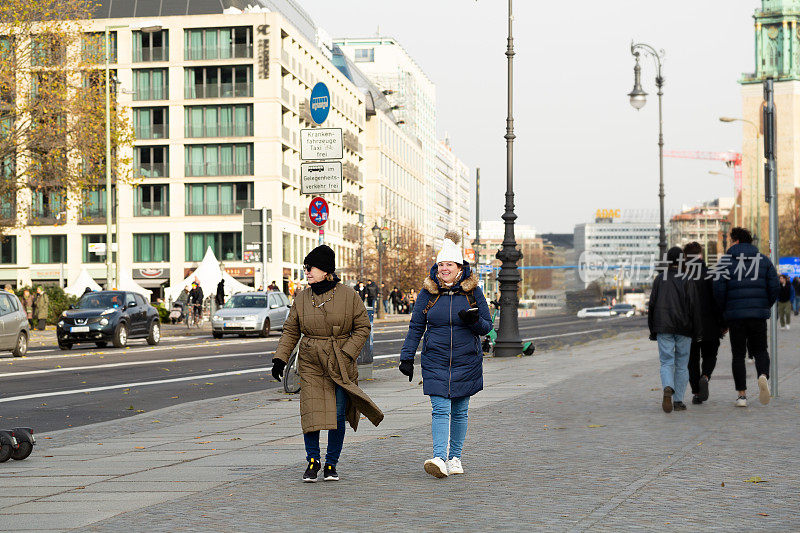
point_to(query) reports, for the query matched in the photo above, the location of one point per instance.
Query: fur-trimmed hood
(467, 283)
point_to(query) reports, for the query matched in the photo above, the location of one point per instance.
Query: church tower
(777, 56)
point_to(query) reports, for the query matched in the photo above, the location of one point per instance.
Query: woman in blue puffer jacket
(450, 316)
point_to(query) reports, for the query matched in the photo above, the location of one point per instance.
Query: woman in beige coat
(334, 324)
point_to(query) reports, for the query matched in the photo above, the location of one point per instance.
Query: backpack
(473, 304)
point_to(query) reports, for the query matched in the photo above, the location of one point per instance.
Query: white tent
(81, 283)
(126, 283)
(207, 275)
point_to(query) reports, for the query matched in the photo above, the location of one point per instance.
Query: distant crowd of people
(693, 306)
(395, 301)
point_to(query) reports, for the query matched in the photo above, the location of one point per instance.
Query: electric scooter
(489, 340)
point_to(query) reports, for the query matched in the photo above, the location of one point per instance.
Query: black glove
(407, 368)
(653, 337)
(277, 368)
(468, 317)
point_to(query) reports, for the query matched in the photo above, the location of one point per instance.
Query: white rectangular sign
(321, 178)
(321, 143)
(99, 248)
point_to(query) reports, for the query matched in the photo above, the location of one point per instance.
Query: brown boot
(666, 402)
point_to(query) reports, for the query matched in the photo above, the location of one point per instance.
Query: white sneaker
(788, 326)
(436, 467)
(741, 401)
(763, 389)
(454, 466)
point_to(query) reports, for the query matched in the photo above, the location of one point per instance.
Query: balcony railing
(218, 208)
(286, 134)
(350, 201)
(151, 209)
(219, 90)
(46, 217)
(145, 55)
(287, 172)
(219, 52)
(244, 129)
(286, 210)
(153, 170)
(219, 169)
(152, 93)
(155, 131)
(351, 232)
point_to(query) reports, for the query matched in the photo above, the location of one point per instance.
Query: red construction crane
(732, 159)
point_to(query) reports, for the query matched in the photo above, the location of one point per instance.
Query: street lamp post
(755, 204)
(638, 100)
(381, 237)
(509, 343)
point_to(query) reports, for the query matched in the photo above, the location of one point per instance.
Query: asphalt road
(51, 389)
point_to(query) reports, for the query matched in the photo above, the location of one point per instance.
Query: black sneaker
(330, 473)
(310, 475)
(666, 401)
(702, 387)
(696, 400)
(679, 406)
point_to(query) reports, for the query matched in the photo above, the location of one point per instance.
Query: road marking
(126, 363)
(133, 385)
(563, 334)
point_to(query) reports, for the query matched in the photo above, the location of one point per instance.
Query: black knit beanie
(322, 257)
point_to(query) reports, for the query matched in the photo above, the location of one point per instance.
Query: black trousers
(748, 335)
(707, 351)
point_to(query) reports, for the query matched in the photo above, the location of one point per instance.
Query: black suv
(108, 316)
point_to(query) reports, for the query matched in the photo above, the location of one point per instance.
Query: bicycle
(291, 374)
(194, 318)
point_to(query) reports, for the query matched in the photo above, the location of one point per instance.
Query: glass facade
(91, 257)
(150, 247)
(49, 249)
(226, 246)
(219, 160)
(93, 204)
(94, 45)
(218, 82)
(151, 122)
(48, 205)
(219, 121)
(8, 250)
(218, 198)
(218, 43)
(150, 46)
(151, 84)
(151, 201)
(151, 161)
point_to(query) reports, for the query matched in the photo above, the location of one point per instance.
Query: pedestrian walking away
(372, 292)
(450, 316)
(746, 287)
(712, 323)
(796, 287)
(28, 305)
(674, 321)
(786, 299)
(41, 308)
(334, 326)
(219, 296)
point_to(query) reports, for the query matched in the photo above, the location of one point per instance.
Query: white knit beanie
(450, 250)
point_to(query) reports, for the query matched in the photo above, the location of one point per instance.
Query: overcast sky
(580, 145)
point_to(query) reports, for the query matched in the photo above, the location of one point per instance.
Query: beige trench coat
(333, 336)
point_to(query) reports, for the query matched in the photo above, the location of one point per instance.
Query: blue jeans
(386, 306)
(796, 304)
(673, 351)
(335, 436)
(449, 420)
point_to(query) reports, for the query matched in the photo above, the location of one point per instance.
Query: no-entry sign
(318, 211)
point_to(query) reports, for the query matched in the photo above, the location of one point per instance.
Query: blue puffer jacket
(452, 359)
(750, 290)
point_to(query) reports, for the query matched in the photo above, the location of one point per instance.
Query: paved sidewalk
(569, 440)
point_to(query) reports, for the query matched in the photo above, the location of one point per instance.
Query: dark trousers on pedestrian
(707, 352)
(748, 335)
(40, 324)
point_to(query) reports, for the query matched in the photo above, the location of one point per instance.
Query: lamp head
(637, 95)
(376, 231)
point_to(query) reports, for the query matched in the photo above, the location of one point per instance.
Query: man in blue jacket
(746, 288)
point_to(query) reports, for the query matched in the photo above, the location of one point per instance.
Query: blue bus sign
(320, 103)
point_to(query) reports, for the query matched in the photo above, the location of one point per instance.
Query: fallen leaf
(48, 437)
(723, 484)
(209, 383)
(203, 442)
(755, 479)
(140, 410)
(763, 514)
(596, 425)
(138, 447)
(174, 397)
(636, 375)
(156, 421)
(235, 400)
(130, 408)
(656, 388)
(99, 443)
(79, 488)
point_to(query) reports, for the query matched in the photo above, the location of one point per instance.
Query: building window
(151, 161)
(218, 198)
(219, 82)
(226, 246)
(219, 121)
(219, 160)
(151, 122)
(150, 247)
(93, 203)
(94, 46)
(151, 84)
(89, 256)
(151, 201)
(150, 46)
(49, 249)
(218, 43)
(8, 250)
(48, 206)
(8, 205)
(365, 55)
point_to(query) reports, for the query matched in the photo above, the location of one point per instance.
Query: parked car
(14, 327)
(108, 316)
(251, 312)
(623, 310)
(595, 312)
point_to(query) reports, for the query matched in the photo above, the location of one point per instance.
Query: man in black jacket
(712, 323)
(673, 321)
(746, 288)
(372, 292)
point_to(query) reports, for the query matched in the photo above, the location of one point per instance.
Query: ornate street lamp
(508, 342)
(381, 238)
(638, 100)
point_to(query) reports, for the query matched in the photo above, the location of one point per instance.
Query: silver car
(14, 327)
(251, 312)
